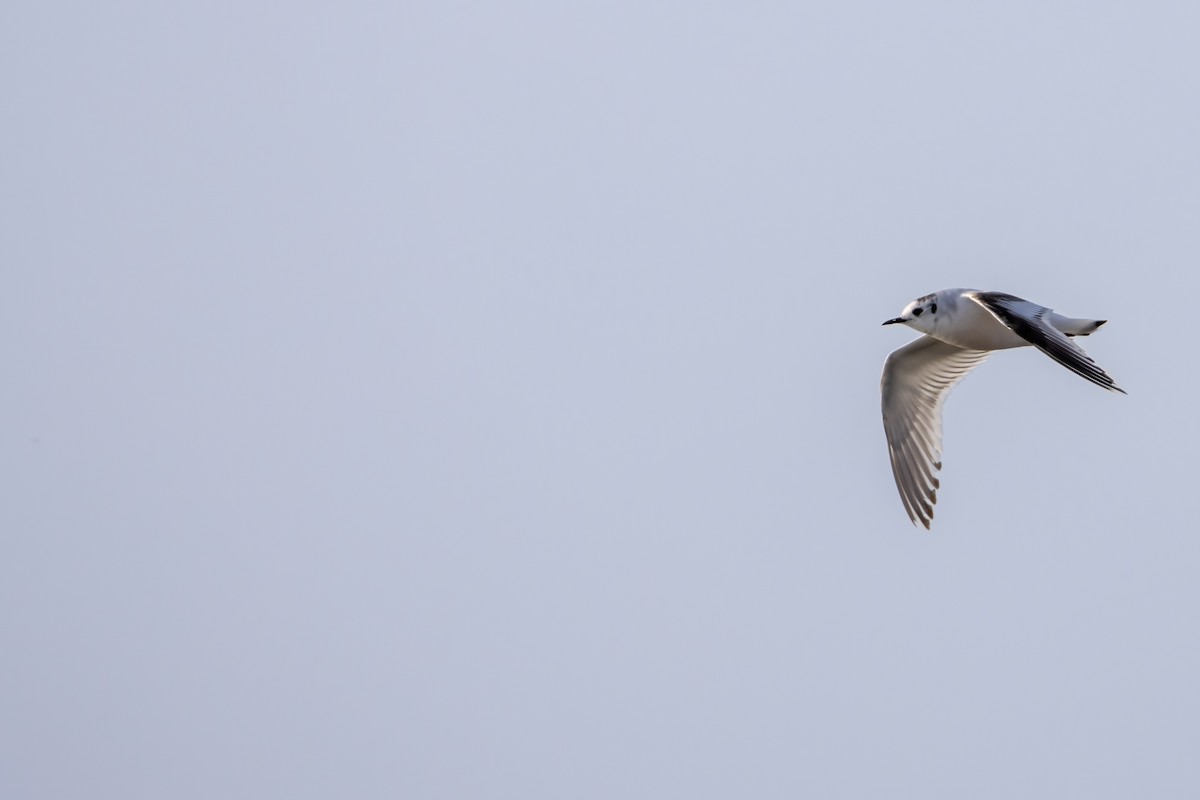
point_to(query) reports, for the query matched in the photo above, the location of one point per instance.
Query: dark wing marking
(1027, 320)
(916, 379)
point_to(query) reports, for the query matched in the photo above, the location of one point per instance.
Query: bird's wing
(1028, 320)
(916, 379)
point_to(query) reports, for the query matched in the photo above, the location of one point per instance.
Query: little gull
(961, 327)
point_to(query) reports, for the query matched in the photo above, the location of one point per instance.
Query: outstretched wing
(916, 379)
(1028, 320)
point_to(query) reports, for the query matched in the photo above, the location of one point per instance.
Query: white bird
(961, 327)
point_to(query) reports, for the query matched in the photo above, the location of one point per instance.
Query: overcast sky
(480, 400)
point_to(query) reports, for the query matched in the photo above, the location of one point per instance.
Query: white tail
(1075, 327)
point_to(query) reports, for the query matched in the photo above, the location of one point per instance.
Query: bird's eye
(933, 309)
(917, 312)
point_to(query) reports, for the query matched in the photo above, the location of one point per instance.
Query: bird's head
(920, 314)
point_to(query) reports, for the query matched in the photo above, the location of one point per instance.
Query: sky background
(480, 400)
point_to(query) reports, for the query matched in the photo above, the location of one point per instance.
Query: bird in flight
(962, 327)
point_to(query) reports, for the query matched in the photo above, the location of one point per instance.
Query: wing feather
(916, 379)
(1028, 320)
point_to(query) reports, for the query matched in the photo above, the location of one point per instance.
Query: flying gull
(962, 327)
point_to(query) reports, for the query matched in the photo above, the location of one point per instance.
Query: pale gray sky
(480, 400)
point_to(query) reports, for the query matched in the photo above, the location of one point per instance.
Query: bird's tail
(1076, 327)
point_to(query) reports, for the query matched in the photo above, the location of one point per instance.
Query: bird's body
(961, 327)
